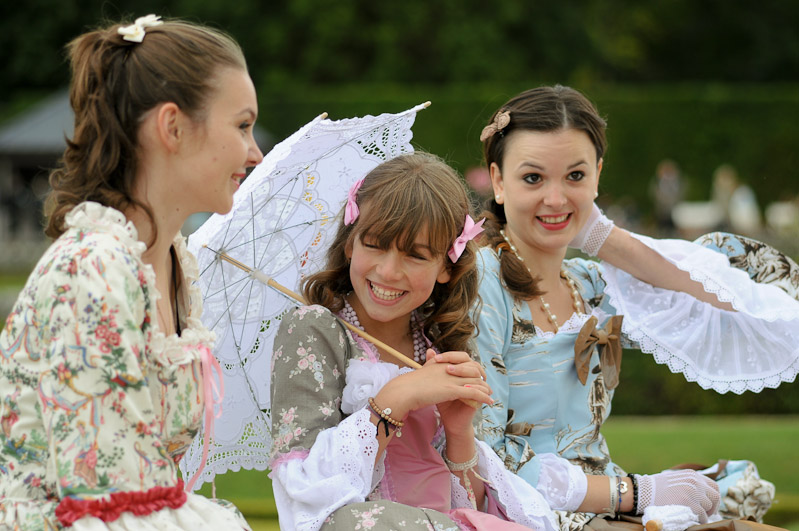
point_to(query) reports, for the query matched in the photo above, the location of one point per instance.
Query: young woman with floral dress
(105, 366)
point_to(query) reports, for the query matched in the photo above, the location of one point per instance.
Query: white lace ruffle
(574, 323)
(755, 347)
(523, 504)
(299, 180)
(198, 514)
(337, 471)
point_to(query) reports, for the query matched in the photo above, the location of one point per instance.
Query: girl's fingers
(467, 370)
(461, 359)
(475, 395)
(453, 356)
(480, 385)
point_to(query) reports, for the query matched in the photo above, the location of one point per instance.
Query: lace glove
(593, 234)
(679, 487)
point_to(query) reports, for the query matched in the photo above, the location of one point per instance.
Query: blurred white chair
(783, 216)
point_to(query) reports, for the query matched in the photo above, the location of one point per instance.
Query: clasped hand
(451, 380)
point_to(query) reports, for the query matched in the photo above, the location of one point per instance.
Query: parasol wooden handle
(654, 525)
(258, 275)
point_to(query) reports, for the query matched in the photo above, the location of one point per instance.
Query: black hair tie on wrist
(384, 422)
(635, 494)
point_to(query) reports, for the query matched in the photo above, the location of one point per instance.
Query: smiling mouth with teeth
(554, 219)
(385, 294)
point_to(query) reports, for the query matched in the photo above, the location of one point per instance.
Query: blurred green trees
(443, 41)
(699, 81)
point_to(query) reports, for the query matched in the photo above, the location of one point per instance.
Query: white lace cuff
(337, 471)
(562, 484)
(522, 503)
(597, 234)
(754, 347)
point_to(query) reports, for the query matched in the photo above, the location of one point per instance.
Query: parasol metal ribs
(261, 277)
(265, 279)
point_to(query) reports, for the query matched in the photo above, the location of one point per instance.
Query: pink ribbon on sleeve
(351, 211)
(212, 395)
(470, 231)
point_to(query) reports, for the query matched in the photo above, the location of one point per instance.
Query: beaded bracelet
(465, 467)
(635, 494)
(385, 418)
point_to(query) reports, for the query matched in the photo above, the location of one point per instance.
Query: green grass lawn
(639, 444)
(650, 444)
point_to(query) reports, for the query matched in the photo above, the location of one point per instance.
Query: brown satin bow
(609, 339)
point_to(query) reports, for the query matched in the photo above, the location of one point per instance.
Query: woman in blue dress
(551, 330)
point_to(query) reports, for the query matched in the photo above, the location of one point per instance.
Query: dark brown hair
(399, 199)
(114, 83)
(542, 109)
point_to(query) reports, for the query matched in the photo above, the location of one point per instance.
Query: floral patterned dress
(98, 404)
(324, 473)
(543, 406)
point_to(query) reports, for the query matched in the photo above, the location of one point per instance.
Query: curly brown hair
(114, 83)
(542, 109)
(399, 199)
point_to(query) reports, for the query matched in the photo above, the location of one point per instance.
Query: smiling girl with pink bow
(360, 439)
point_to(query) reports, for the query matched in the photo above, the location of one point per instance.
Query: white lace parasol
(284, 217)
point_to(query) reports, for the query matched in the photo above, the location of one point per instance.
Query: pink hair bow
(351, 211)
(470, 232)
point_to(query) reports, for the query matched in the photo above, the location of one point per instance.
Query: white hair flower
(135, 32)
(364, 379)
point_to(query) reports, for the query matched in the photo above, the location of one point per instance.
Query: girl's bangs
(399, 222)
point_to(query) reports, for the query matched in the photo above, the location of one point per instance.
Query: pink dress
(417, 476)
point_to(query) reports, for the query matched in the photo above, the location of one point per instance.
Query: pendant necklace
(419, 344)
(577, 302)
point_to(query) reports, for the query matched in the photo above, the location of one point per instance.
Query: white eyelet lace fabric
(574, 323)
(755, 347)
(197, 513)
(562, 484)
(522, 503)
(337, 471)
(305, 173)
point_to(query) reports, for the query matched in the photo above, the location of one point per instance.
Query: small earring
(596, 194)
(496, 198)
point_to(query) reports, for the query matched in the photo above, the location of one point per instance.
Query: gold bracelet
(385, 417)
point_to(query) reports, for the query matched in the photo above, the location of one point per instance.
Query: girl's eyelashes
(535, 178)
(244, 126)
(532, 178)
(576, 176)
